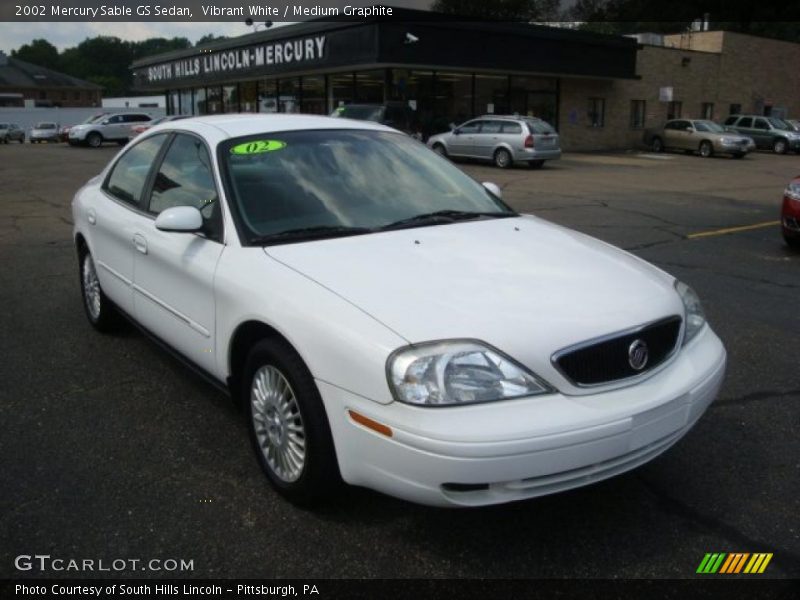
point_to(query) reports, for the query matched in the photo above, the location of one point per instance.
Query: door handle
(91, 216)
(140, 243)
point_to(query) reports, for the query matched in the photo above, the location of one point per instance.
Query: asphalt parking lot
(111, 449)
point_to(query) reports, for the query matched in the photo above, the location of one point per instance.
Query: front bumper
(512, 450)
(790, 218)
(734, 148)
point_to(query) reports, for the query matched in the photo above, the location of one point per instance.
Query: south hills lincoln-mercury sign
(289, 52)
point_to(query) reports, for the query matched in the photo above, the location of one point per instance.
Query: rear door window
(509, 127)
(491, 126)
(746, 122)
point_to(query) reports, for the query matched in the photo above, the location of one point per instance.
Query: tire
(100, 311)
(273, 365)
(738, 155)
(440, 150)
(780, 146)
(503, 158)
(22, 140)
(94, 139)
(536, 164)
(792, 242)
(706, 149)
(658, 144)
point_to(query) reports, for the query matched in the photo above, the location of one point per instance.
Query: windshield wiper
(309, 233)
(444, 216)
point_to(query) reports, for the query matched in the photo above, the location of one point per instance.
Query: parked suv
(10, 131)
(769, 133)
(113, 128)
(503, 140)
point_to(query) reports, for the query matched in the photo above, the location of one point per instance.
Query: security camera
(411, 38)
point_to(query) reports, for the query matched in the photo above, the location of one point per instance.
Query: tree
(758, 17)
(512, 10)
(210, 37)
(38, 52)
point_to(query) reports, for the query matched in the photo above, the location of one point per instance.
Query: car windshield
(708, 126)
(362, 113)
(539, 126)
(341, 182)
(45, 126)
(779, 123)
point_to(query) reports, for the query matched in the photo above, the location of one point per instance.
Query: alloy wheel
(278, 424)
(502, 159)
(91, 288)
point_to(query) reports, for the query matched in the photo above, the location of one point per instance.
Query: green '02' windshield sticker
(258, 147)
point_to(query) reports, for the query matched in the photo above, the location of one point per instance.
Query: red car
(790, 213)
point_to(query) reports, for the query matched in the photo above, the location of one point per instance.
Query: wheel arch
(245, 336)
(81, 245)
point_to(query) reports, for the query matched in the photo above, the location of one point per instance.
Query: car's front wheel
(288, 424)
(658, 144)
(502, 158)
(100, 311)
(780, 146)
(94, 139)
(440, 150)
(706, 149)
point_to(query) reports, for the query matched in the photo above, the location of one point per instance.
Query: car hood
(523, 285)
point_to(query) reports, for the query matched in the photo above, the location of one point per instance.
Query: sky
(65, 35)
(68, 34)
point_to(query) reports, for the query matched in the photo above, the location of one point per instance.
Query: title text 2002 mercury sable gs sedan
(384, 319)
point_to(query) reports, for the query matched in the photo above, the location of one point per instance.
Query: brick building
(24, 84)
(600, 91)
(703, 74)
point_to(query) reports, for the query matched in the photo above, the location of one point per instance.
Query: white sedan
(384, 319)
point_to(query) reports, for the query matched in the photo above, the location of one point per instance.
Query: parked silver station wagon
(504, 140)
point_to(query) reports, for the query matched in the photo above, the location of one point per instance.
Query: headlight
(792, 191)
(458, 372)
(695, 317)
(727, 140)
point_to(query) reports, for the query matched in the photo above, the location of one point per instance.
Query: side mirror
(493, 189)
(690, 129)
(456, 131)
(182, 219)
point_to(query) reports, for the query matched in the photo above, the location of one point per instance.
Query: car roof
(236, 125)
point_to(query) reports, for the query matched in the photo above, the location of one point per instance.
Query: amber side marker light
(370, 424)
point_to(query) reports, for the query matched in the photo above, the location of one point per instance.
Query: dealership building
(600, 91)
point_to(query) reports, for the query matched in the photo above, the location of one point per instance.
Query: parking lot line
(701, 234)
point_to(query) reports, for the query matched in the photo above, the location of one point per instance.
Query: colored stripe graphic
(724, 563)
(711, 562)
(734, 563)
(758, 563)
